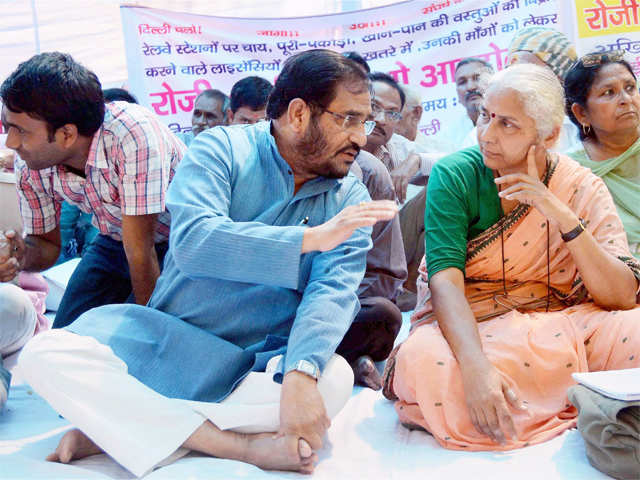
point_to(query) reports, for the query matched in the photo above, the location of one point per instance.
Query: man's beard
(312, 153)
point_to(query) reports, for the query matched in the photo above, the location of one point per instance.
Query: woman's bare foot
(274, 452)
(73, 446)
(366, 373)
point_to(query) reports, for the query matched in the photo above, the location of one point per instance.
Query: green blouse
(462, 202)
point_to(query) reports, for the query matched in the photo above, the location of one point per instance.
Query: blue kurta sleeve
(206, 242)
(330, 302)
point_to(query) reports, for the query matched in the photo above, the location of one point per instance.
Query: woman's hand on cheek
(527, 188)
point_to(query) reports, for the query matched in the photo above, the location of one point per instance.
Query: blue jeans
(76, 232)
(101, 278)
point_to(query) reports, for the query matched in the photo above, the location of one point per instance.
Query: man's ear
(298, 115)
(229, 116)
(417, 112)
(67, 135)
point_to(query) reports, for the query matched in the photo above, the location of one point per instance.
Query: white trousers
(18, 318)
(89, 385)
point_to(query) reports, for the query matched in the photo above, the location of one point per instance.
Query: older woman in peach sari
(528, 278)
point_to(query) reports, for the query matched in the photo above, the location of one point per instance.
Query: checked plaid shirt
(131, 161)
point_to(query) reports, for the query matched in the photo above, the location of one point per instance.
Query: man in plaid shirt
(114, 161)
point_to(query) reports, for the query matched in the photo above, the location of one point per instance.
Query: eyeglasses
(592, 59)
(350, 122)
(389, 115)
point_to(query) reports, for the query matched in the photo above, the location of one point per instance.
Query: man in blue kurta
(268, 246)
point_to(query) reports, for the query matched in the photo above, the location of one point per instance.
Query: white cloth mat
(365, 441)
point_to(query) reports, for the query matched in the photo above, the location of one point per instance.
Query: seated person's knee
(336, 384)
(17, 318)
(387, 311)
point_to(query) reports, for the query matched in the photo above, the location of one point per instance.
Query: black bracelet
(567, 237)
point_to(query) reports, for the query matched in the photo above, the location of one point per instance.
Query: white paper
(618, 384)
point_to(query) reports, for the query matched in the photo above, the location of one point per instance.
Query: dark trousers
(101, 278)
(373, 331)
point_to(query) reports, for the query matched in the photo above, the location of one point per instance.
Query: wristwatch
(570, 235)
(307, 368)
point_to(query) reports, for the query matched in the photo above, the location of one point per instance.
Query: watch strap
(307, 368)
(570, 235)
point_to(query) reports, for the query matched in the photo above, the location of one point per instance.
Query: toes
(366, 373)
(310, 460)
(65, 456)
(53, 457)
(373, 381)
(364, 365)
(307, 469)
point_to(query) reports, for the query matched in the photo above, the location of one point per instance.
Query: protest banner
(604, 26)
(173, 56)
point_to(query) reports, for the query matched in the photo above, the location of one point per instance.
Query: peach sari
(534, 340)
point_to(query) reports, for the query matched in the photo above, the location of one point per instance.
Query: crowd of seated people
(286, 250)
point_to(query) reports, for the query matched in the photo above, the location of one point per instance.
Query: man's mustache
(470, 94)
(353, 146)
(378, 130)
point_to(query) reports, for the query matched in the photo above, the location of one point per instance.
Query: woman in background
(602, 99)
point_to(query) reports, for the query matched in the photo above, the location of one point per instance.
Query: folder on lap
(618, 384)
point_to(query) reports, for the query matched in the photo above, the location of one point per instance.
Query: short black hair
(54, 88)
(118, 95)
(578, 83)
(252, 92)
(468, 60)
(389, 80)
(222, 97)
(359, 59)
(313, 76)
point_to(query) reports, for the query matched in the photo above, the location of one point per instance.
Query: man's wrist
(304, 367)
(309, 240)
(415, 164)
(22, 259)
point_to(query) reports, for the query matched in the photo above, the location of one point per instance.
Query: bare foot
(274, 452)
(366, 373)
(73, 446)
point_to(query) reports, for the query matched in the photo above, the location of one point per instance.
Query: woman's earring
(586, 129)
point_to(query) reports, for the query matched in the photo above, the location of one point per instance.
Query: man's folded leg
(87, 384)
(18, 318)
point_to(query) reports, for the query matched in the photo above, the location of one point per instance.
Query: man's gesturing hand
(332, 233)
